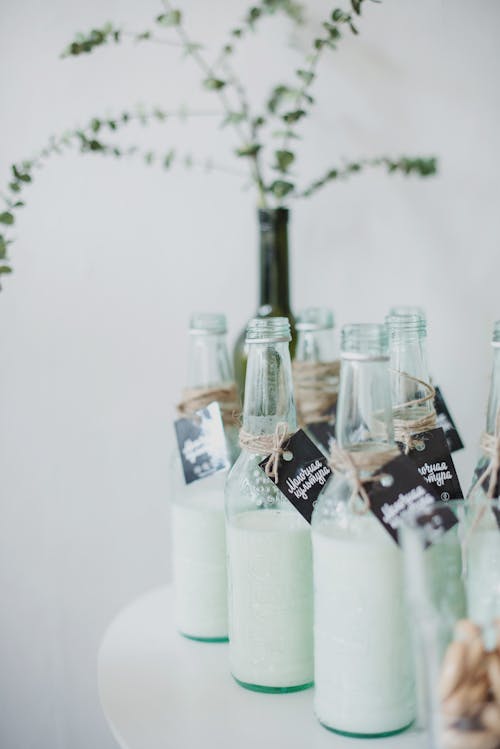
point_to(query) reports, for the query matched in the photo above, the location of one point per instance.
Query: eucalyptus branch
(109, 34)
(88, 141)
(421, 166)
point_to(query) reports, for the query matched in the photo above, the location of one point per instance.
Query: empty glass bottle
(269, 544)
(198, 525)
(364, 682)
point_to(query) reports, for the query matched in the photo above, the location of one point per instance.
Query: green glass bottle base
(204, 639)
(367, 735)
(273, 690)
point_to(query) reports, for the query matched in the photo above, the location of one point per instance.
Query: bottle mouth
(315, 318)
(402, 310)
(408, 324)
(207, 324)
(495, 339)
(365, 341)
(268, 330)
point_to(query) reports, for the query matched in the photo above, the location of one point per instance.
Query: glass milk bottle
(364, 684)
(316, 370)
(482, 541)
(269, 543)
(198, 524)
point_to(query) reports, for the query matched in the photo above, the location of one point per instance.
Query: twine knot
(273, 445)
(352, 464)
(406, 429)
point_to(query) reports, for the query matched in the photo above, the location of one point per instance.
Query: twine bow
(405, 429)
(316, 389)
(273, 445)
(352, 463)
(193, 399)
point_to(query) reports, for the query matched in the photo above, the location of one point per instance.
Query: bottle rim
(207, 323)
(401, 310)
(268, 330)
(413, 322)
(365, 342)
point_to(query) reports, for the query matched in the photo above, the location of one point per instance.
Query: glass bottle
(198, 524)
(492, 409)
(407, 335)
(274, 294)
(364, 681)
(482, 541)
(269, 542)
(316, 387)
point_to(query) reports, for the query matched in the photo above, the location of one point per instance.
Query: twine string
(405, 429)
(273, 445)
(316, 390)
(352, 464)
(194, 399)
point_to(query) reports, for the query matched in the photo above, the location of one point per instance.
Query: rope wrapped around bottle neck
(273, 445)
(406, 429)
(351, 464)
(194, 399)
(315, 393)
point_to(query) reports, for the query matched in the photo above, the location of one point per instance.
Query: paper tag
(434, 463)
(324, 431)
(446, 423)
(302, 474)
(407, 496)
(202, 443)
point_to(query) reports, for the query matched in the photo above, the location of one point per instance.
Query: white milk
(270, 599)
(199, 560)
(483, 572)
(363, 659)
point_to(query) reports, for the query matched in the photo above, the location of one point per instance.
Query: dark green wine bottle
(274, 297)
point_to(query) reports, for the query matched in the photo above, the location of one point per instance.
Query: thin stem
(141, 37)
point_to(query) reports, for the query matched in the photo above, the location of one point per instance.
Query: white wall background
(112, 257)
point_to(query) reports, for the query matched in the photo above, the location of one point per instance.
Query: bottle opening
(365, 341)
(268, 330)
(315, 318)
(207, 324)
(406, 309)
(411, 323)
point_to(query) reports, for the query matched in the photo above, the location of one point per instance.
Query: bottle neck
(315, 346)
(268, 389)
(208, 361)
(494, 395)
(274, 294)
(408, 356)
(364, 413)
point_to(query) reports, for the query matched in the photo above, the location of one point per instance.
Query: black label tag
(446, 423)
(407, 497)
(202, 443)
(478, 472)
(434, 463)
(302, 474)
(324, 431)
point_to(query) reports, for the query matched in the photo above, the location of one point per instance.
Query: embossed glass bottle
(269, 544)
(364, 684)
(198, 524)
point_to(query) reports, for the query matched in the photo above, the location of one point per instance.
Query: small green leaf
(252, 149)
(3, 247)
(233, 118)
(95, 125)
(305, 75)
(356, 6)
(295, 116)
(5, 269)
(284, 159)
(167, 161)
(15, 186)
(171, 18)
(280, 188)
(7, 218)
(319, 44)
(214, 84)
(237, 33)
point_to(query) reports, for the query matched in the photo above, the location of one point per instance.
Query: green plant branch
(421, 166)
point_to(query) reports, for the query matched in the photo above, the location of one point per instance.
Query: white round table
(159, 690)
